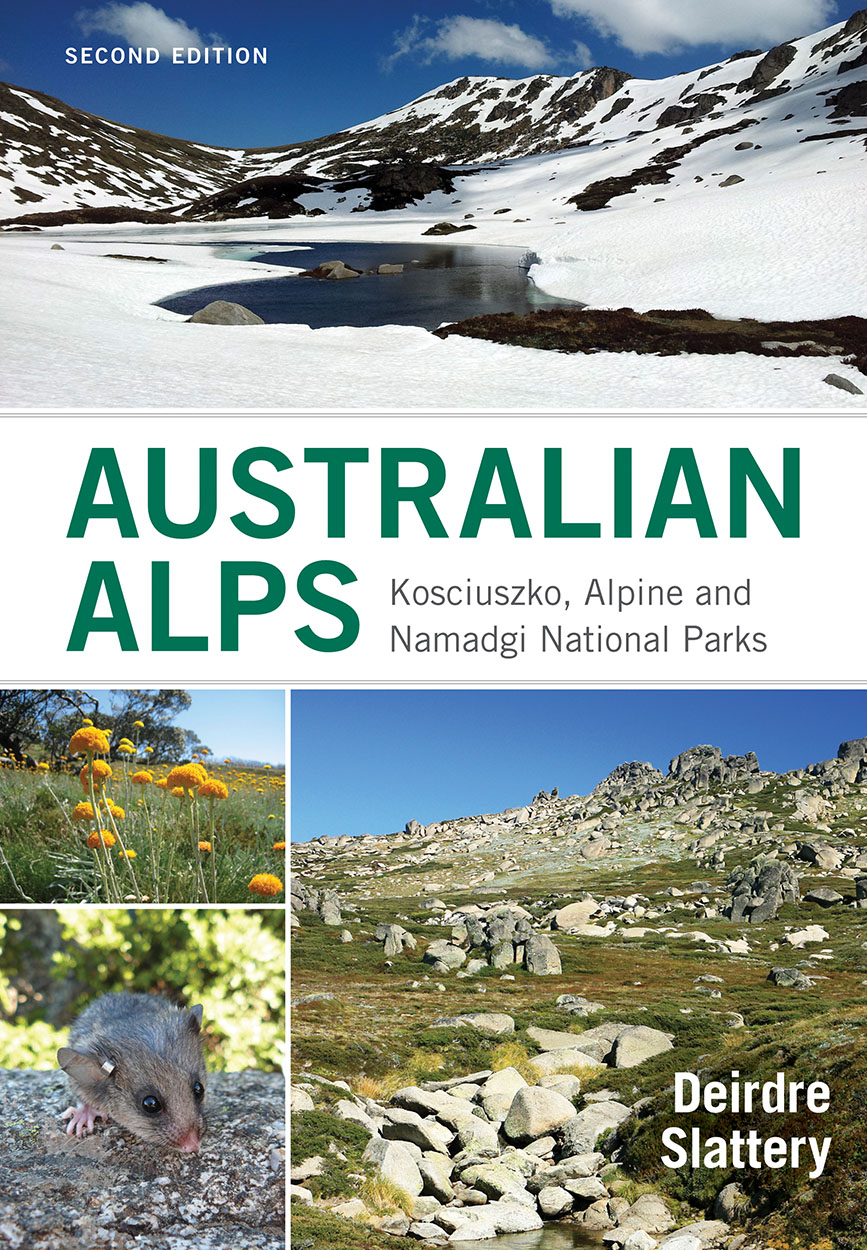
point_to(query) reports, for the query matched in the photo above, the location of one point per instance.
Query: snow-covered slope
(802, 106)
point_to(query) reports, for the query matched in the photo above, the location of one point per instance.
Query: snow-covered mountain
(802, 105)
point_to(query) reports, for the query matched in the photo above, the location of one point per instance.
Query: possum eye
(151, 1105)
(198, 1090)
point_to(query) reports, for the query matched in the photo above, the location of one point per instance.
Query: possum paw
(81, 1119)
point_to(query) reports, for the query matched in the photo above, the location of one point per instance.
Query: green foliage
(316, 1229)
(232, 963)
(318, 1133)
(787, 1203)
(32, 1045)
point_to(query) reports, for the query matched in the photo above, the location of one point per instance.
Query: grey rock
(435, 1182)
(536, 1112)
(842, 384)
(581, 1133)
(730, 1202)
(477, 1134)
(823, 896)
(541, 956)
(221, 312)
(498, 1092)
(789, 978)
(331, 271)
(575, 1005)
(550, 1039)
(564, 1083)
(554, 1201)
(395, 1163)
(555, 1062)
(444, 953)
(62, 1193)
(409, 1126)
(634, 1045)
(423, 1230)
(572, 1168)
(496, 1181)
(496, 1023)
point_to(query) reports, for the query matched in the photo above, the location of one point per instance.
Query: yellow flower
(190, 776)
(205, 846)
(178, 792)
(138, 724)
(213, 789)
(126, 748)
(101, 770)
(87, 740)
(162, 783)
(149, 750)
(141, 778)
(117, 812)
(43, 767)
(272, 817)
(264, 883)
(105, 836)
(279, 846)
(88, 723)
(82, 811)
(128, 854)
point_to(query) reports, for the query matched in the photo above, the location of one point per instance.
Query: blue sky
(332, 66)
(368, 761)
(244, 724)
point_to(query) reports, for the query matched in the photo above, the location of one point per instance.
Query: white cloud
(665, 25)
(143, 26)
(457, 37)
(582, 56)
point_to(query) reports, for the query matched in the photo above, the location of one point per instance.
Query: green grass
(318, 1133)
(45, 858)
(315, 1229)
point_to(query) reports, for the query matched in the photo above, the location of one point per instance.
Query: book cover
(485, 384)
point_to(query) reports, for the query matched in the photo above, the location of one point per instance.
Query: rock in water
(331, 271)
(222, 312)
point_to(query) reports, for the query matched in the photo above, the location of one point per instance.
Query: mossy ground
(312, 1228)
(665, 332)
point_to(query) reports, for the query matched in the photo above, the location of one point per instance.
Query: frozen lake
(440, 283)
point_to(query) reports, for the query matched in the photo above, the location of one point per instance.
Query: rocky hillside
(625, 132)
(489, 1010)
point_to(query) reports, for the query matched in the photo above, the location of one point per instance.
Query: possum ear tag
(196, 1018)
(84, 1067)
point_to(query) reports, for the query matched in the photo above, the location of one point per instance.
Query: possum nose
(190, 1142)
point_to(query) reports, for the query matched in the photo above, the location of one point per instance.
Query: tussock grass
(384, 1197)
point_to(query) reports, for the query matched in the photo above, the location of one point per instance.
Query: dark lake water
(440, 283)
(551, 1237)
